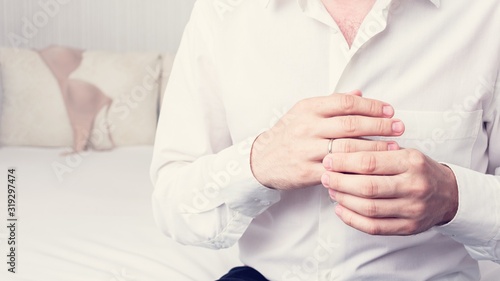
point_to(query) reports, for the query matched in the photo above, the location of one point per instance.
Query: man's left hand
(400, 192)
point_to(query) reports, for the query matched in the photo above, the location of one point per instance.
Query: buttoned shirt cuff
(245, 194)
(477, 220)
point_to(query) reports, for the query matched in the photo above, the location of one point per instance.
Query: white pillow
(33, 112)
(132, 81)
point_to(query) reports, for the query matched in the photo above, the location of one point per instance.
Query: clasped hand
(381, 189)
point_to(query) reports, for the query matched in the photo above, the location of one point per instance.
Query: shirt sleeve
(477, 222)
(205, 193)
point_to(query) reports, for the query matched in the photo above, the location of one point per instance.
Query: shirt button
(266, 203)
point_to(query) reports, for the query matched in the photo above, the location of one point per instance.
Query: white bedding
(96, 224)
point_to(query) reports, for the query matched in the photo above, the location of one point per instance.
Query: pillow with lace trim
(62, 96)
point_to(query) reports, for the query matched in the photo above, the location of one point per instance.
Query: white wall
(122, 25)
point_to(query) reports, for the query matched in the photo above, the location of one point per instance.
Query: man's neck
(349, 15)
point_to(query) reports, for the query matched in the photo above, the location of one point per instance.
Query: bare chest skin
(349, 15)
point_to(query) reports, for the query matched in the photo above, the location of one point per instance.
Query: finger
(380, 208)
(305, 174)
(367, 162)
(357, 145)
(363, 186)
(351, 145)
(377, 226)
(353, 126)
(351, 104)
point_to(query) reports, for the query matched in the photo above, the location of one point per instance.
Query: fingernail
(325, 180)
(392, 146)
(388, 110)
(338, 210)
(332, 194)
(328, 163)
(398, 127)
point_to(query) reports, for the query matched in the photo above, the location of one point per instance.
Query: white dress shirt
(242, 64)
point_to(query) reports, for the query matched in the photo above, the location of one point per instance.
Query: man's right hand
(289, 155)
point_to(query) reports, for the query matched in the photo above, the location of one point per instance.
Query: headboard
(114, 25)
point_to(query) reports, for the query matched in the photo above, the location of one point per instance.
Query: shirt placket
(339, 56)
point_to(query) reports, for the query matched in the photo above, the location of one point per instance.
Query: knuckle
(416, 158)
(411, 227)
(383, 126)
(349, 146)
(368, 163)
(304, 173)
(371, 209)
(374, 229)
(344, 145)
(349, 220)
(338, 163)
(371, 191)
(374, 108)
(347, 103)
(420, 192)
(417, 210)
(419, 189)
(349, 124)
(380, 146)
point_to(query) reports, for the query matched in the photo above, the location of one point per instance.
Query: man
(263, 139)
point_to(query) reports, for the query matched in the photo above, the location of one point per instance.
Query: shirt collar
(265, 3)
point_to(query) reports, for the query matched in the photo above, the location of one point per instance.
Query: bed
(94, 222)
(87, 215)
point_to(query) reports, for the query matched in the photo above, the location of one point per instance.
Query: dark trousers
(243, 273)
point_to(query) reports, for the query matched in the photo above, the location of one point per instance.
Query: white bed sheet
(94, 222)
